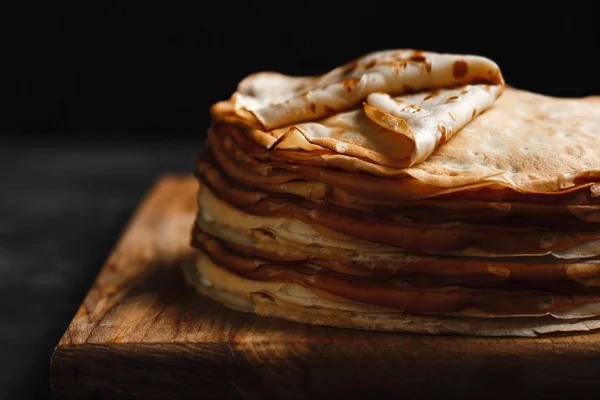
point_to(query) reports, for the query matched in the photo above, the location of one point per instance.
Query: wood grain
(141, 333)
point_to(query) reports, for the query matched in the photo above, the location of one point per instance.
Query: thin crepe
(293, 302)
(409, 103)
(335, 230)
(511, 213)
(577, 276)
(400, 294)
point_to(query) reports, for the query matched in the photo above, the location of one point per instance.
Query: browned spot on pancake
(409, 89)
(452, 99)
(418, 58)
(443, 131)
(432, 94)
(460, 69)
(329, 110)
(313, 107)
(569, 150)
(400, 66)
(421, 59)
(305, 94)
(349, 84)
(474, 113)
(428, 67)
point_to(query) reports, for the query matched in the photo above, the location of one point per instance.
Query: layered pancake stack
(405, 191)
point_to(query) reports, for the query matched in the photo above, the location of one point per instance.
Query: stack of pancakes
(405, 191)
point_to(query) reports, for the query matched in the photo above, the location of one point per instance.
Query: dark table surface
(63, 205)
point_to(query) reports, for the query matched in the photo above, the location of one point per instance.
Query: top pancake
(410, 116)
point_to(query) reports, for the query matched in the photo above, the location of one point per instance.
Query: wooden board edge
(226, 370)
(139, 371)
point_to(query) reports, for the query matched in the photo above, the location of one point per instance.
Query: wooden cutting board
(141, 333)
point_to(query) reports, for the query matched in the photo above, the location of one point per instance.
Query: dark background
(154, 67)
(97, 100)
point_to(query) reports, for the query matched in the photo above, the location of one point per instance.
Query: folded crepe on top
(391, 107)
(404, 191)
